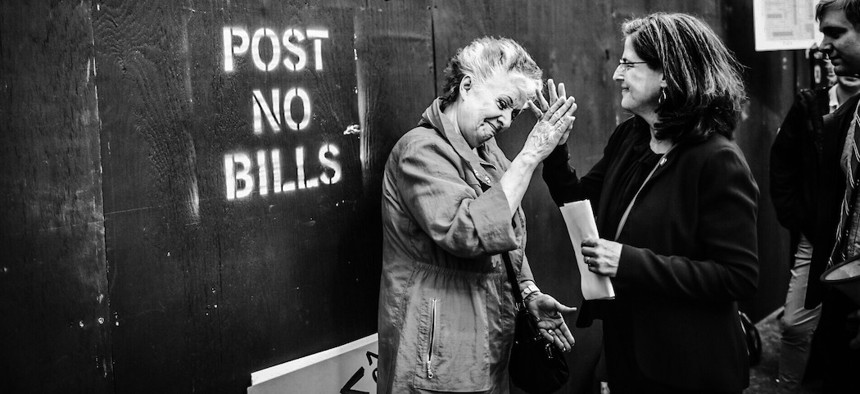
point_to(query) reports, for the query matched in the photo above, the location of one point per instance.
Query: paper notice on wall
(580, 225)
(785, 24)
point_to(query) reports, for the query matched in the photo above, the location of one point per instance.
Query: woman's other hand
(551, 324)
(601, 256)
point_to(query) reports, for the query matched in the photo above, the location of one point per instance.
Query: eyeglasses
(626, 65)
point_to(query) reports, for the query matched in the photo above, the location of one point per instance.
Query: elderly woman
(676, 206)
(450, 210)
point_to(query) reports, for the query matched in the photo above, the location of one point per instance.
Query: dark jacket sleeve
(787, 177)
(726, 238)
(561, 179)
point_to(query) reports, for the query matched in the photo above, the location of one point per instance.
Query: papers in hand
(580, 225)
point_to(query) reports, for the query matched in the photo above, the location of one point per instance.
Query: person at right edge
(687, 248)
(796, 155)
(833, 223)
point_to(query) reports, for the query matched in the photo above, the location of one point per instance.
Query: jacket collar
(434, 118)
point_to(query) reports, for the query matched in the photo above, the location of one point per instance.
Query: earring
(662, 97)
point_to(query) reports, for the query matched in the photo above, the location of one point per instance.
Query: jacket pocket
(454, 344)
(431, 336)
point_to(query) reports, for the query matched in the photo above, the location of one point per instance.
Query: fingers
(545, 333)
(564, 309)
(595, 263)
(562, 94)
(556, 94)
(547, 324)
(568, 336)
(589, 251)
(573, 106)
(592, 263)
(553, 109)
(553, 95)
(566, 134)
(534, 108)
(560, 342)
(566, 125)
(603, 257)
(555, 337)
(560, 112)
(544, 105)
(562, 338)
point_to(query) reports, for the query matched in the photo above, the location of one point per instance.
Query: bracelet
(530, 290)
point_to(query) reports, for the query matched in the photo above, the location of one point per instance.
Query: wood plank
(53, 276)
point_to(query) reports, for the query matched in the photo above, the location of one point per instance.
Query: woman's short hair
(850, 7)
(482, 59)
(705, 90)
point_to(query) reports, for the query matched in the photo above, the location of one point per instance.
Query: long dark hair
(705, 91)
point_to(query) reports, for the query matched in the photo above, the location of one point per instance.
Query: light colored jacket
(446, 313)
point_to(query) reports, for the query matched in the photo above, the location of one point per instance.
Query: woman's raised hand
(556, 92)
(554, 123)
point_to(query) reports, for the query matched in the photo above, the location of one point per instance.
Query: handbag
(752, 338)
(536, 365)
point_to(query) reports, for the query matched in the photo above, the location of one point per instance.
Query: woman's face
(640, 85)
(488, 107)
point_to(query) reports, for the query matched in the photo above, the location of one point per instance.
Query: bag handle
(515, 288)
(630, 206)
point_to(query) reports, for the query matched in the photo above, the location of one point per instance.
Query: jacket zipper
(432, 337)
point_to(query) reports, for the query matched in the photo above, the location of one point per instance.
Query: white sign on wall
(785, 24)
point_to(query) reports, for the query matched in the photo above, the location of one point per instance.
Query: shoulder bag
(536, 365)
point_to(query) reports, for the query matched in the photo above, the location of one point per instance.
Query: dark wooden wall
(772, 78)
(54, 287)
(126, 269)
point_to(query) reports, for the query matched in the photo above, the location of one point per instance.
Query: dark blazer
(795, 158)
(829, 194)
(689, 252)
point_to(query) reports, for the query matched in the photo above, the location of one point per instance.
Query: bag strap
(630, 206)
(515, 288)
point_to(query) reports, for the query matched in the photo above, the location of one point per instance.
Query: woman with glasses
(676, 208)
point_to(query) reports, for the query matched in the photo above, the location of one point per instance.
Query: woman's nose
(507, 118)
(618, 75)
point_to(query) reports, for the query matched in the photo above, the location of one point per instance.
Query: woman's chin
(626, 106)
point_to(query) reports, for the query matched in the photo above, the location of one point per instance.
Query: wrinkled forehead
(514, 85)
